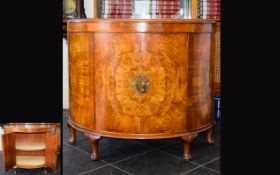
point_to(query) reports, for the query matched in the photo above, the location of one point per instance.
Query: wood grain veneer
(141, 79)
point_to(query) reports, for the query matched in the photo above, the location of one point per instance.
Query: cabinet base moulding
(94, 138)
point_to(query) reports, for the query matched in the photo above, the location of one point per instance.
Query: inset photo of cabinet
(30, 148)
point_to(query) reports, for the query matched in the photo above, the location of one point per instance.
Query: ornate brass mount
(140, 83)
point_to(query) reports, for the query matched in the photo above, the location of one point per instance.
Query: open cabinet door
(8, 151)
(51, 149)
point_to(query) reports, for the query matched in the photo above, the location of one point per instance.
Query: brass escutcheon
(140, 83)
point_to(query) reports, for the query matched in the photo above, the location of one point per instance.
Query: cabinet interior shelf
(27, 161)
(30, 146)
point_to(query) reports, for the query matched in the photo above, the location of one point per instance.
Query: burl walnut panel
(164, 60)
(118, 59)
(140, 79)
(116, 63)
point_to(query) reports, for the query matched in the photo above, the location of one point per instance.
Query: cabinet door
(164, 61)
(8, 151)
(51, 150)
(141, 82)
(116, 63)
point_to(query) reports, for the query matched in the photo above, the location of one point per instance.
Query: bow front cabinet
(141, 79)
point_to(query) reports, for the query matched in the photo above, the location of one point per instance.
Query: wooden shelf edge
(30, 161)
(30, 146)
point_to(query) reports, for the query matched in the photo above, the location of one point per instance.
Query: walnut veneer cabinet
(30, 145)
(141, 79)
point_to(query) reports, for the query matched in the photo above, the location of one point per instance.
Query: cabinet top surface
(96, 20)
(30, 127)
(140, 25)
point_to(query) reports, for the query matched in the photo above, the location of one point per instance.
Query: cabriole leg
(210, 135)
(187, 143)
(72, 131)
(93, 139)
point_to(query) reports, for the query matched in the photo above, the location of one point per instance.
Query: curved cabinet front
(140, 79)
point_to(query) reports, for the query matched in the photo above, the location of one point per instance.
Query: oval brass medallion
(140, 83)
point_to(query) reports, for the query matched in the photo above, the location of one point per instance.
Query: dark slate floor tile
(67, 147)
(1, 162)
(112, 150)
(36, 171)
(65, 131)
(19, 171)
(201, 152)
(59, 167)
(107, 170)
(218, 124)
(202, 171)
(64, 121)
(65, 113)
(58, 172)
(156, 143)
(155, 163)
(215, 165)
(75, 162)
(217, 136)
